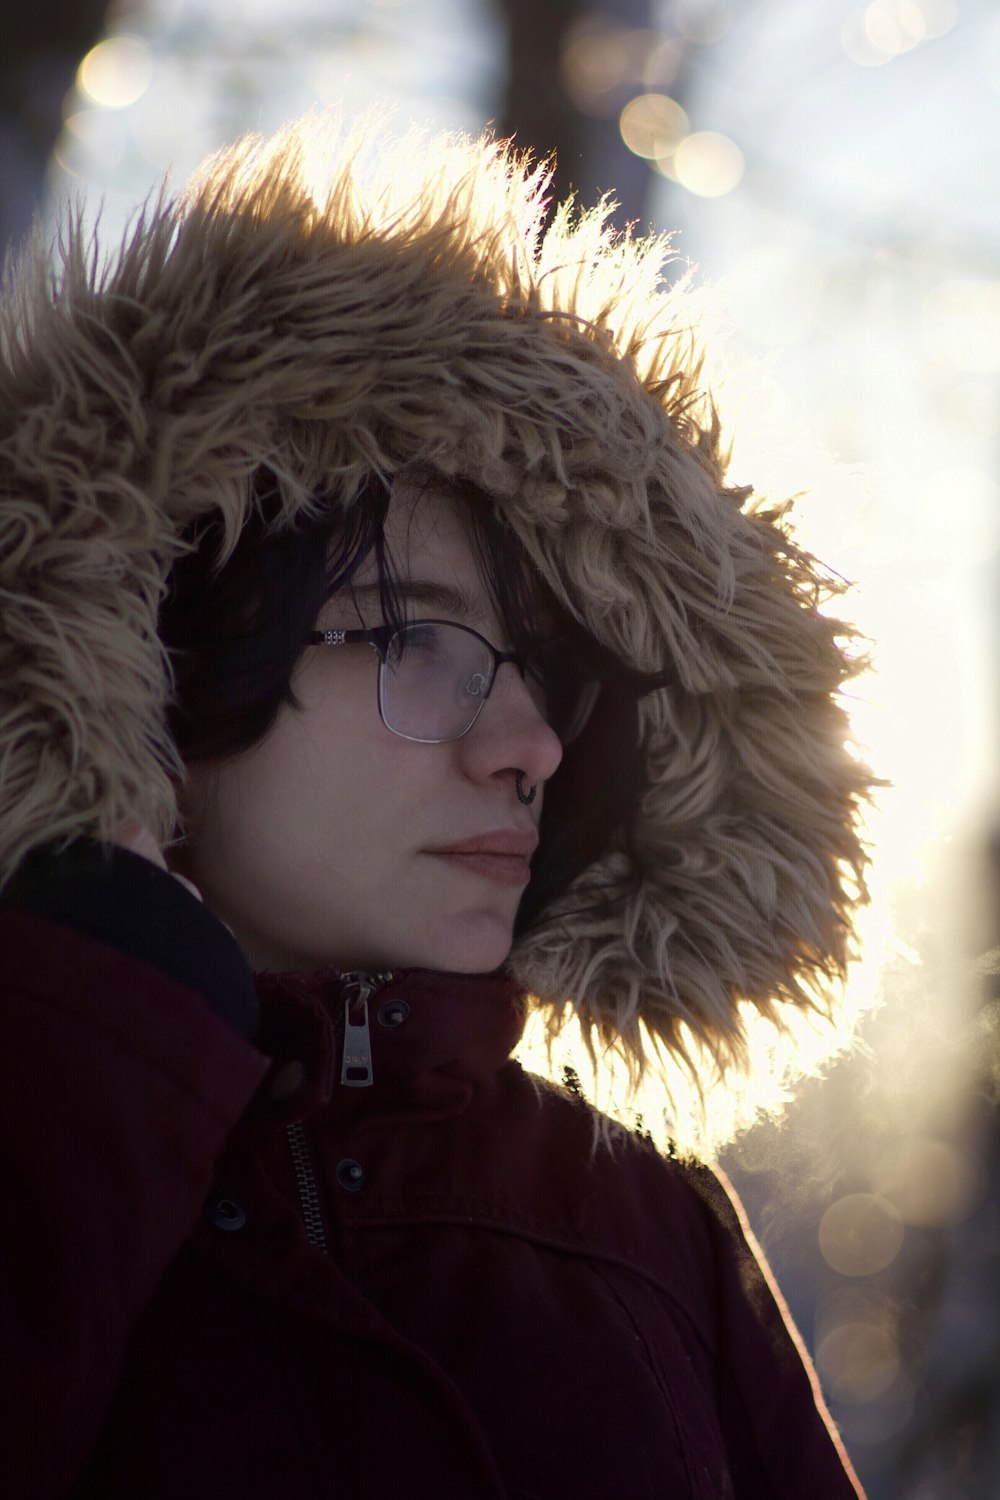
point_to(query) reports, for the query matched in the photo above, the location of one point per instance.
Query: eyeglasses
(434, 677)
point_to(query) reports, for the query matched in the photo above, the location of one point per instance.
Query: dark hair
(235, 635)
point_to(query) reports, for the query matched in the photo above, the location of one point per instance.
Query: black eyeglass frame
(379, 638)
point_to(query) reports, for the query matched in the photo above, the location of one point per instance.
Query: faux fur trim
(333, 308)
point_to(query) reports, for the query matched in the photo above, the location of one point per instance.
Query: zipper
(356, 1069)
(306, 1180)
(355, 987)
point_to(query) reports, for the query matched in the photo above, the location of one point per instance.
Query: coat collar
(431, 1032)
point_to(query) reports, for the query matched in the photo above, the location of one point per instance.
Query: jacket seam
(531, 1231)
(657, 1370)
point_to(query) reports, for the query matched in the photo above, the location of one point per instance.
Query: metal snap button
(350, 1175)
(393, 1012)
(287, 1080)
(225, 1213)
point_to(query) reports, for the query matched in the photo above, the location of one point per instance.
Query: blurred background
(833, 170)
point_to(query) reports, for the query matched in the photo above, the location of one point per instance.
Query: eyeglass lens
(435, 677)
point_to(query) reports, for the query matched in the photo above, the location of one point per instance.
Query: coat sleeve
(780, 1439)
(126, 1010)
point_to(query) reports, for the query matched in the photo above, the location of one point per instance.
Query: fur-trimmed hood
(332, 311)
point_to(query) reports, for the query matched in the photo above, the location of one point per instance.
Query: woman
(387, 664)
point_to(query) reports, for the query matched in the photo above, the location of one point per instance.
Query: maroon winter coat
(228, 1274)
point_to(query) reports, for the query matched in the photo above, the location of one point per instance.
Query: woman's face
(313, 846)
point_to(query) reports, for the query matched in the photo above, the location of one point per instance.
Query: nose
(512, 731)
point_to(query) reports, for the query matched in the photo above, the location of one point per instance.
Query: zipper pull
(356, 1070)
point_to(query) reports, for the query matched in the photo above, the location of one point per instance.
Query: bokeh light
(600, 59)
(858, 1355)
(939, 16)
(855, 1302)
(707, 163)
(653, 125)
(887, 28)
(882, 1418)
(116, 72)
(857, 1361)
(860, 1234)
(929, 1182)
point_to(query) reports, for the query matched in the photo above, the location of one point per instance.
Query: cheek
(332, 785)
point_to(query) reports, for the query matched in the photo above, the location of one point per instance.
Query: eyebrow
(444, 596)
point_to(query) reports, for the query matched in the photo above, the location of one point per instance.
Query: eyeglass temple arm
(640, 682)
(337, 637)
(377, 638)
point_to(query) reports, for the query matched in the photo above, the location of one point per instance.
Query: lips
(503, 841)
(501, 869)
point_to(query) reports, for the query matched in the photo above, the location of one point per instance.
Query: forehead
(428, 543)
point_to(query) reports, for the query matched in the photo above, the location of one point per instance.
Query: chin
(475, 943)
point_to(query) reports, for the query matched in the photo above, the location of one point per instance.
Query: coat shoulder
(613, 1188)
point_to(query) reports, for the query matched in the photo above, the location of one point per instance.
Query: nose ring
(527, 800)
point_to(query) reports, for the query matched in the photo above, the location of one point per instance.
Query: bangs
(527, 609)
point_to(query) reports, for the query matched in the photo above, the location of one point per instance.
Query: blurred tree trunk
(41, 44)
(591, 157)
